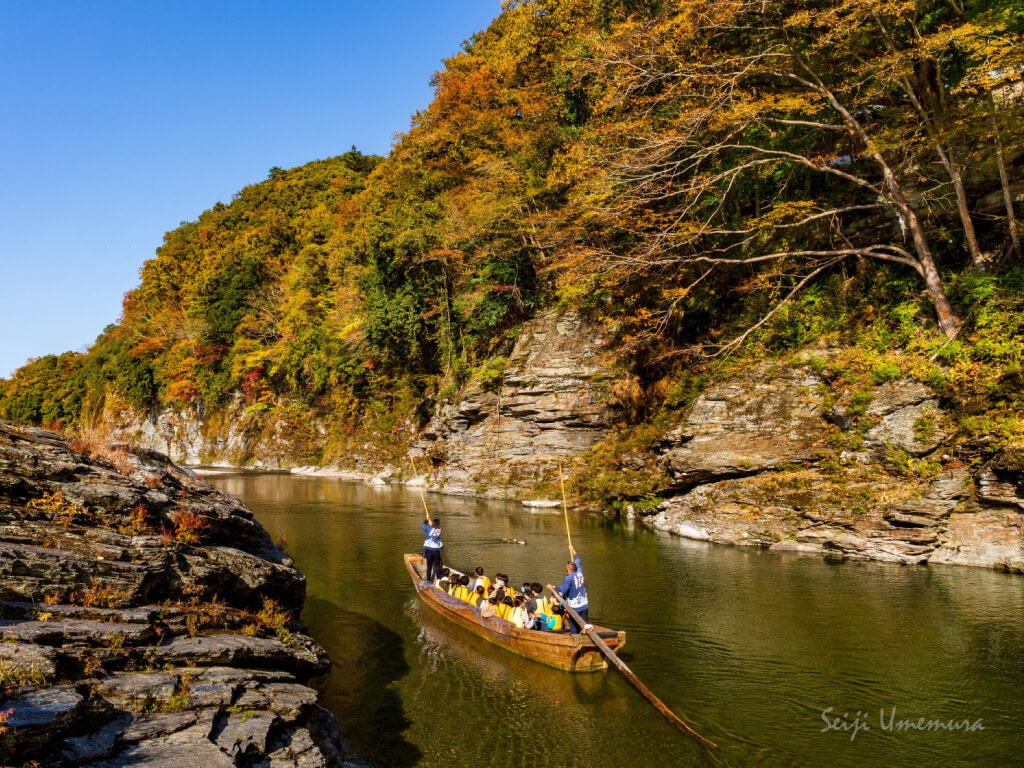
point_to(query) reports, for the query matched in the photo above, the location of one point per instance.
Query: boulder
(37, 718)
(908, 417)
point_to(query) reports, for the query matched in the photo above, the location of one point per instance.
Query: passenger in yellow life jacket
(557, 621)
(505, 608)
(481, 580)
(443, 581)
(461, 591)
(476, 596)
(518, 614)
(501, 582)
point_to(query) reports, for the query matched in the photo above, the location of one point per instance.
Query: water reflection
(748, 647)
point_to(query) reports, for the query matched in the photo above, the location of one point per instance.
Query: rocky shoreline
(146, 618)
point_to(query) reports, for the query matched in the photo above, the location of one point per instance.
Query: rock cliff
(776, 458)
(549, 402)
(146, 618)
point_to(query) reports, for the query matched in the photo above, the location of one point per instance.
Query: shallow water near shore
(749, 648)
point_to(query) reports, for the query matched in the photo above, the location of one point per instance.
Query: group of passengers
(526, 608)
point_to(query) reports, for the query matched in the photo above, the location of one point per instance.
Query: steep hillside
(695, 189)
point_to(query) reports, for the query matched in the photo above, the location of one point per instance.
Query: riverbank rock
(146, 618)
(503, 435)
(773, 458)
(771, 415)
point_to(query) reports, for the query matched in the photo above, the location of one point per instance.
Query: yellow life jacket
(461, 593)
(502, 610)
(518, 617)
(474, 598)
(557, 623)
(543, 604)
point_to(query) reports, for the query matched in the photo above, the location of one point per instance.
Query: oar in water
(621, 666)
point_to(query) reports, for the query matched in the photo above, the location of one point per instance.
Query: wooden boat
(574, 653)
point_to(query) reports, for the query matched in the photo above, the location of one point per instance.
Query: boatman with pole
(432, 547)
(574, 591)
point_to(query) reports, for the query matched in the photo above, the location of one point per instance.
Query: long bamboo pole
(423, 498)
(620, 665)
(565, 507)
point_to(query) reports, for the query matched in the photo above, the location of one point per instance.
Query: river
(750, 648)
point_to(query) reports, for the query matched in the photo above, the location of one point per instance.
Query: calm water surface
(748, 647)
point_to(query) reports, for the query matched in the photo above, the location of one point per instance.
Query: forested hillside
(712, 181)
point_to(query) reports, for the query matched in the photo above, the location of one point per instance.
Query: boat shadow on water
(368, 659)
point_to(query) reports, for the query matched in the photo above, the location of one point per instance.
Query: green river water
(749, 648)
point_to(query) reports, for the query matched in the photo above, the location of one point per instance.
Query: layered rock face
(765, 460)
(549, 403)
(146, 618)
(186, 437)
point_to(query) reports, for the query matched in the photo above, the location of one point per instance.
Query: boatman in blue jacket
(574, 592)
(432, 547)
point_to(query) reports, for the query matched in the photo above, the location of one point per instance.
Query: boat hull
(573, 653)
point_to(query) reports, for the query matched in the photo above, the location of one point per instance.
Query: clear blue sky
(122, 119)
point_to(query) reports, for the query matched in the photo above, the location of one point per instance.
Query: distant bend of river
(750, 648)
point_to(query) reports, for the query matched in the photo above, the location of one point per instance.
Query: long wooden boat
(575, 653)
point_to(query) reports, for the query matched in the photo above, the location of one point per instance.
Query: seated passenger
(488, 609)
(556, 619)
(442, 577)
(461, 590)
(481, 580)
(518, 614)
(543, 604)
(504, 607)
(476, 596)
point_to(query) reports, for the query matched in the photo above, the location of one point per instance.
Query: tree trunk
(978, 260)
(1004, 178)
(949, 323)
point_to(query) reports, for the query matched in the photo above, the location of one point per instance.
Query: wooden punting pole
(620, 665)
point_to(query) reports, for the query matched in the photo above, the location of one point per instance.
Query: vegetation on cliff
(713, 180)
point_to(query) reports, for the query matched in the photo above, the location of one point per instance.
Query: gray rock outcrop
(770, 459)
(549, 402)
(146, 618)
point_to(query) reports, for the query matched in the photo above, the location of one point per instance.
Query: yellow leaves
(673, 294)
(785, 212)
(350, 329)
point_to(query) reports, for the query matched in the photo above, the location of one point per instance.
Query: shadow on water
(367, 660)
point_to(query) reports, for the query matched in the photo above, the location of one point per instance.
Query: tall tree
(741, 133)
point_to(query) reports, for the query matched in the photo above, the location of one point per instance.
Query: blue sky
(122, 119)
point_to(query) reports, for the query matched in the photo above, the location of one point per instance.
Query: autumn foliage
(682, 171)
